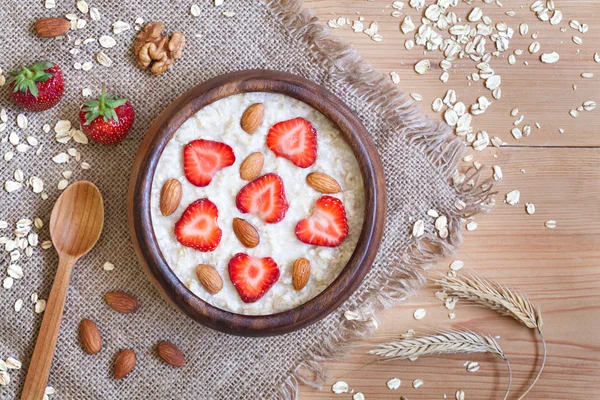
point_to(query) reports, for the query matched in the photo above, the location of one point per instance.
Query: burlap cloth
(419, 157)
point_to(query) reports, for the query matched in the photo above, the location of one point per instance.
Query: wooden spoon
(75, 226)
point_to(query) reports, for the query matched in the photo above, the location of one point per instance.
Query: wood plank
(543, 93)
(559, 269)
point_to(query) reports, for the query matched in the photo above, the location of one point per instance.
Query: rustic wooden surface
(559, 269)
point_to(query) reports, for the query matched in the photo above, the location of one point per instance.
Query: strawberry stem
(26, 78)
(102, 104)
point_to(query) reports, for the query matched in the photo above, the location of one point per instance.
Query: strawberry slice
(203, 158)
(197, 228)
(294, 139)
(252, 276)
(327, 226)
(264, 197)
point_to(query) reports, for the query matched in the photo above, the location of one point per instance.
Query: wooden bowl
(142, 175)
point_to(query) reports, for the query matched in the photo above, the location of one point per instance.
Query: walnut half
(156, 50)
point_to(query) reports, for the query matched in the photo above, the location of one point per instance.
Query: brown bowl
(142, 175)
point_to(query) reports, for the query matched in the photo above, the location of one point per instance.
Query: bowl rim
(140, 190)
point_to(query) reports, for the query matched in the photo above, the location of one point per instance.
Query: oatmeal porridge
(250, 232)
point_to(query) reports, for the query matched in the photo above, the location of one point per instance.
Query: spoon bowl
(77, 219)
(75, 226)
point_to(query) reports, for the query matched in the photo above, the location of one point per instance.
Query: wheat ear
(498, 298)
(443, 343)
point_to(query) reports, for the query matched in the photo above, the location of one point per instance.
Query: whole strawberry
(107, 119)
(37, 87)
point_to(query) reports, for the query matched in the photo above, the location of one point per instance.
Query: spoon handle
(39, 368)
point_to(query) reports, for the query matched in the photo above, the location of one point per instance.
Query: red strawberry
(107, 119)
(264, 197)
(38, 87)
(294, 139)
(252, 276)
(197, 228)
(327, 226)
(203, 158)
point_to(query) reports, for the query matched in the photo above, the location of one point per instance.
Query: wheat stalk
(501, 299)
(443, 343)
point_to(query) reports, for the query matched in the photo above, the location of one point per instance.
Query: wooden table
(560, 173)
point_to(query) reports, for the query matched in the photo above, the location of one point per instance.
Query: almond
(300, 273)
(51, 27)
(170, 354)
(170, 197)
(251, 167)
(246, 233)
(323, 183)
(252, 117)
(90, 337)
(121, 302)
(124, 363)
(209, 278)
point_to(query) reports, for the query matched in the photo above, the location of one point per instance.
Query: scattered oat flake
(530, 208)
(473, 366)
(94, 14)
(418, 228)
(497, 173)
(4, 377)
(394, 383)
(339, 387)
(195, 10)
(550, 224)
(550, 58)
(395, 77)
(512, 197)
(419, 313)
(228, 14)
(7, 283)
(22, 121)
(459, 395)
(422, 66)
(407, 25)
(457, 265)
(13, 363)
(418, 383)
(50, 390)
(107, 42)
(40, 306)
(18, 305)
(358, 396)
(120, 27)
(108, 266)
(471, 226)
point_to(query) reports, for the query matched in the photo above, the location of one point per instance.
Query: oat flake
(418, 383)
(394, 383)
(419, 313)
(339, 387)
(358, 396)
(550, 224)
(457, 265)
(418, 228)
(107, 42)
(512, 197)
(40, 306)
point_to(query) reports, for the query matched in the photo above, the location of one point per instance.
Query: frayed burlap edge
(437, 141)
